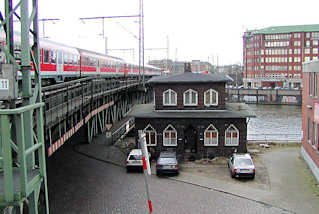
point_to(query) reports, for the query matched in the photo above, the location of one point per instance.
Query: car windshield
(167, 160)
(243, 162)
(135, 157)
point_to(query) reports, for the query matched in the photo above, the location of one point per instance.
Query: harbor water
(275, 123)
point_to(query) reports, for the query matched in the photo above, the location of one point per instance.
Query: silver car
(241, 165)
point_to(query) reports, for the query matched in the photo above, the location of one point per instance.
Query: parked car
(167, 164)
(241, 165)
(134, 160)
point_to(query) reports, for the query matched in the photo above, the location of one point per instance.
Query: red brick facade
(310, 116)
(273, 56)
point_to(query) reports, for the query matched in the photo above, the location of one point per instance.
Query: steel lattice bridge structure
(36, 121)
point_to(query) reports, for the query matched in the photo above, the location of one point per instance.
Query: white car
(241, 165)
(134, 160)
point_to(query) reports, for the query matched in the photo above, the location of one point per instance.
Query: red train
(61, 62)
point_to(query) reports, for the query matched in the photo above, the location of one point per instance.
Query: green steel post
(7, 158)
(26, 77)
(19, 121)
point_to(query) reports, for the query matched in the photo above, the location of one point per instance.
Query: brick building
(190, 116)
(310, 116)
(178, 66)
(273, 56)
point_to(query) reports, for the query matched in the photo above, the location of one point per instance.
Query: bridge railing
(276, 137)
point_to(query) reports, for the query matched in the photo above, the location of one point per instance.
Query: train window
(40, 55)
(59, 57)
(86, 61)
(75, 60)
(65, 58)
(46, 56)
(53, 57)
(70, 59)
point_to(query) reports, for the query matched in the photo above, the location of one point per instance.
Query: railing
(277, 137)
(122, 130)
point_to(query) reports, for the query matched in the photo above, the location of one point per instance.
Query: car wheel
(127, 169)
(253, 177)
(231, 174)
(158, 173)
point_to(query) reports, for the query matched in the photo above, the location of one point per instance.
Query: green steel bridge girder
(23, 176)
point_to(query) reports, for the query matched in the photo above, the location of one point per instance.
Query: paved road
(78, 184)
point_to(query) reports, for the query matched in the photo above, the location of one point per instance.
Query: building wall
(310, 122)
(200, 126)
(264, 51)
(180, 89)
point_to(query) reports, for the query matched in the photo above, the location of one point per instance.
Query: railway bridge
(93, 105)
(36, 121)
(86, 107)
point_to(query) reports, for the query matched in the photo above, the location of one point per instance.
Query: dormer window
(169, 98)
(211, 97)
(190, 98)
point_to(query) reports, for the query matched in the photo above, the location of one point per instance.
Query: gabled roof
(189, 77)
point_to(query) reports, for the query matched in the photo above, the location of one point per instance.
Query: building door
(190, 140)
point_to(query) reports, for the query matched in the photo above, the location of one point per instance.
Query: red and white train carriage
(61, 62)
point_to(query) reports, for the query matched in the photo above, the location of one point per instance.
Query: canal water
(275, 123)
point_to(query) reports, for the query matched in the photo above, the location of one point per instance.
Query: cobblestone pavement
(81, 184)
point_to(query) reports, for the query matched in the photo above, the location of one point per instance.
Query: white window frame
(170, 94)
(232, 142)
(210, 94)
(192, 102)
(170, 141)
(210, 141)
(149, 135)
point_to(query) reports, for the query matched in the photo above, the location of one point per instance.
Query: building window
(307, 43)
(309, 130)
(169, 98)
(211, 136)
(231, 136)
(315, 51)
(308, 35)
(315, 42)
(297, 35)
(150, 135)
(314, 138)
(307, 50)
(296, 43)
(315, 84)
(169, 136)
(307, 58)
(310, 84)
(211, 97)
(296, 59)
(190, 98)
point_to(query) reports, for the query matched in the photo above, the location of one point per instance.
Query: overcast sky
(195, 29)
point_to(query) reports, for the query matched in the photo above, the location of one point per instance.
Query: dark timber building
(190, 116)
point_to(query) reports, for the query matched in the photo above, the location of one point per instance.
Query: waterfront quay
(265, 96)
